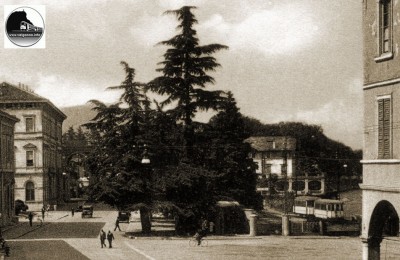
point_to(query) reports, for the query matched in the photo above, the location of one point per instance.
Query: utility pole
(338, 179)
(285, 217)
(284, 172)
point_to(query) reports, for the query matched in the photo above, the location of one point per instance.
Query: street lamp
(338, 182)
(84, 181)
(145, 159)
(65, 187)
(147, 214)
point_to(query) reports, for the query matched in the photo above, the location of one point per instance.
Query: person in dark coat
(103, 238)
(110, 238)
(43, 211)
(72, 211)
(30, 217)
(117, 225)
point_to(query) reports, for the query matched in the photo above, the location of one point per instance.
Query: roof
(328, 201)
(306, 198)
(271, 143)
(10, 93)
(8, 116)
(223, 203)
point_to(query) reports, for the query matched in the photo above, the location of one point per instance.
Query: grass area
(39, 250)
(353, 202)
(55, 230)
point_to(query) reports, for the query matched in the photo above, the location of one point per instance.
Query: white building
(37, 143)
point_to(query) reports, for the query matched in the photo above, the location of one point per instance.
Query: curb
(186, 238)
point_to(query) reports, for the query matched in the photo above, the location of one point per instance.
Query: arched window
(29, 191)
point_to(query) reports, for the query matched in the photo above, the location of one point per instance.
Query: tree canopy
(185, 74)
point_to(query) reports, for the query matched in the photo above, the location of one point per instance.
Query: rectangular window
(30, 191)
(268, 168)
(385, 26)
(30, 124)
(29, 158)
(384, 128)
(385, 30)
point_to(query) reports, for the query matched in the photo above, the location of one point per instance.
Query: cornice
(380, 188)
(381, 161)
(381, 83)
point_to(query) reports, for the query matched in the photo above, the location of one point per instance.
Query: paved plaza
(137, 247)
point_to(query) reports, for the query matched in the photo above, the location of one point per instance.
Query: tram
(319, 208)
(304, 205)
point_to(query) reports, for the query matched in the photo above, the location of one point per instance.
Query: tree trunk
(145, 215)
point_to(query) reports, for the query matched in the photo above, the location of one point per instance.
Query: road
(238, 247)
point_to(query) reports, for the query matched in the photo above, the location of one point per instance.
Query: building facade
(38, 175)
(381, 157)
(7, 168)
(275, 157)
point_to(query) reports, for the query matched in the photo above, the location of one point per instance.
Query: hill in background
(77, 115)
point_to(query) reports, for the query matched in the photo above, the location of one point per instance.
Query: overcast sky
(288, 60)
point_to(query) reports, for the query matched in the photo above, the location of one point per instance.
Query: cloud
(283, 29)
(175, 4)
(150, 30)
(66, 92)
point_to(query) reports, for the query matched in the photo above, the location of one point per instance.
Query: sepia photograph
(200, 129)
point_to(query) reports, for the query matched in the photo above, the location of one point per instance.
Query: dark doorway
(384, 221)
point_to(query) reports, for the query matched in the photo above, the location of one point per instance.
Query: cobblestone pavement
(219, 247)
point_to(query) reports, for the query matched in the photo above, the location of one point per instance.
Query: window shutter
(384, 114)
(386, 128)
(380, 128)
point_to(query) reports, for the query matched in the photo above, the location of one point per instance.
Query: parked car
(87, 210)
(20, 206)
(124, 216)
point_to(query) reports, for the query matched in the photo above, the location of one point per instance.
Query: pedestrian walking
(30, 217)
(43, 211)
(72, 211)
(103, 238)
(110, 238)
(117, 225)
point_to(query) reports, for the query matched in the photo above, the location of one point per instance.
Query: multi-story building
(275, 157)
(38, 175)
(7, 167)
(381, 155)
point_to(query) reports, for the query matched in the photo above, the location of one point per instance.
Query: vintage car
(87, 210)
(124, 216)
